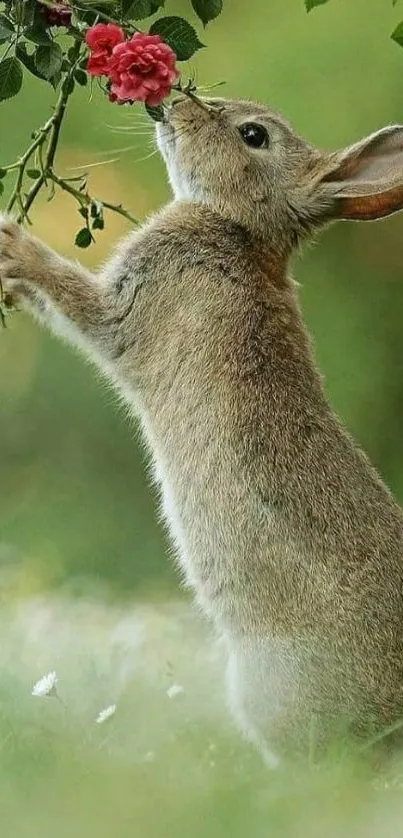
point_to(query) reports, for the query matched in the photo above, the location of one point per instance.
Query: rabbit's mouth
(176, 137)
(181, 117)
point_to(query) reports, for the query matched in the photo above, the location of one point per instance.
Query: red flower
(142, 69)
(101, 39)
(59, 15)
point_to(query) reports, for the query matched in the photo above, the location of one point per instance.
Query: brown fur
(289, 538)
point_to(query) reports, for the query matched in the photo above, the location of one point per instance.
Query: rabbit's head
(247, 163)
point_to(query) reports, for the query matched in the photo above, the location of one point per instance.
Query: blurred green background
(76, 506)
(79, 522)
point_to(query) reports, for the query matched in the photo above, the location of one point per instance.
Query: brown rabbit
(286, 533)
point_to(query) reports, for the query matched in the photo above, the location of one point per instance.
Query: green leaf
(33, 173)
(156, 113)
(207, 10)
(3, 173)
(97, 208)
(35, 23)
(37, 34)
(179, 34)
(55, 81)
(69, 85)
(72, 55)
(31, 14)
(138, 9)
(81, 77)
(397, 35)
(48, 60)
(6, 29)
(26, 13)
(1, 187)
(310, 4)
(83, 237)
(98, 223)
(27, 59)
(10, 78)
(135, 9)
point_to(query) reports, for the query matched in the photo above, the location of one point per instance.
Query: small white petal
(45, 686)
(175, 690)
(104, 715)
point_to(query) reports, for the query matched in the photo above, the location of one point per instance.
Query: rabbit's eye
(254, 135)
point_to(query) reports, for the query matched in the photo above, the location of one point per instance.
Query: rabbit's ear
(365, 181)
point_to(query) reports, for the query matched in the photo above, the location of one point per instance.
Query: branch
(85, 200)
(50, 134)
(52, 128)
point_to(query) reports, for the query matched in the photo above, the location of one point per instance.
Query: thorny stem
(22, 162)
(48, 161)
(102, 15)
(50, 132)
(85, 200)
(51, 129)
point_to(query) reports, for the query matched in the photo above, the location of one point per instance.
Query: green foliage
(179, 34)
(310, 4)
(37, 34)
(97, 215)
(6, 29)
(207, 9)
(80, 76)
(49, 60)
(27, 59)
(397, 34)
(10, 77)
(136, 9)
(83, 237)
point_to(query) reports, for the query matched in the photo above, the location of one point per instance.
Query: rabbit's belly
(263, 689)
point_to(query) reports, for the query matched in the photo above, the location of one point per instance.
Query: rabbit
(284, 531)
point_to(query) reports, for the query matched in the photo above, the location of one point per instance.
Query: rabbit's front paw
(11, 253)
(21, 259)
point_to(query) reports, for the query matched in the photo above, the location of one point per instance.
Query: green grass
(160, 766)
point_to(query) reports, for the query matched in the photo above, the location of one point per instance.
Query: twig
(52, 128)
(22, 162)
(51, 132)
(102, 15)
(85, 200)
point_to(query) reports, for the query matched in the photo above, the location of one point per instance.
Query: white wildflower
(175, 690)
(106, 714)
(46, 686)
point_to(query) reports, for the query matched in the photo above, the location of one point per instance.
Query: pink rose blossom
(142, 69)
(101, 39)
